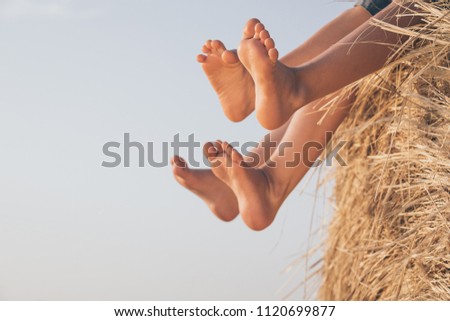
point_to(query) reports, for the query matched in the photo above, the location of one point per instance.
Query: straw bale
(389, 238)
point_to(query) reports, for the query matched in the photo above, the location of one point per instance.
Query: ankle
(277, 190)
(301, 89)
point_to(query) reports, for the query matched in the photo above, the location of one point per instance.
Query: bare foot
(276, 85)
(216, 194)
(229, 78)
(257, 199)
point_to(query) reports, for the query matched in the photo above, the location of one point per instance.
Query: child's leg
(259, 155)
(261, 191)
(281, 90)
(232, 82)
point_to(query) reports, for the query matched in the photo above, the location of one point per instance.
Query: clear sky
(77, 74)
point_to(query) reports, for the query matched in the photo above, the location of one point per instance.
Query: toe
(259, 27)
(232, 153)
(227, 148)
(181, 171)
(273, 54)
(249, 30)
(236, 157)
(209, 150)
(229, 57)
(201, 58)
(206, 49)
(218, 145)
(218, 47)
(269, 43)
(263, 35)
(179, 162)
(215, 152)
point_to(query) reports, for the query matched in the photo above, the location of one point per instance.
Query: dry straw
(389, 238)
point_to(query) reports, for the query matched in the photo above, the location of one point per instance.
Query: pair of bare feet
(251, 78)
(231, 186)
(248, 79)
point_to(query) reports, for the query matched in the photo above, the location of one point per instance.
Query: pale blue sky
(77, 74)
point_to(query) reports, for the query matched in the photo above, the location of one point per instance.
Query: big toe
(249, 29)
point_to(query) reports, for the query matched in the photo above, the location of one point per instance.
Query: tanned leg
(281, 90)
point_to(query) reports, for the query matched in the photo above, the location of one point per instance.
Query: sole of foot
(257, 203)
(231, 81)
(276, 85)
(202, 182)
